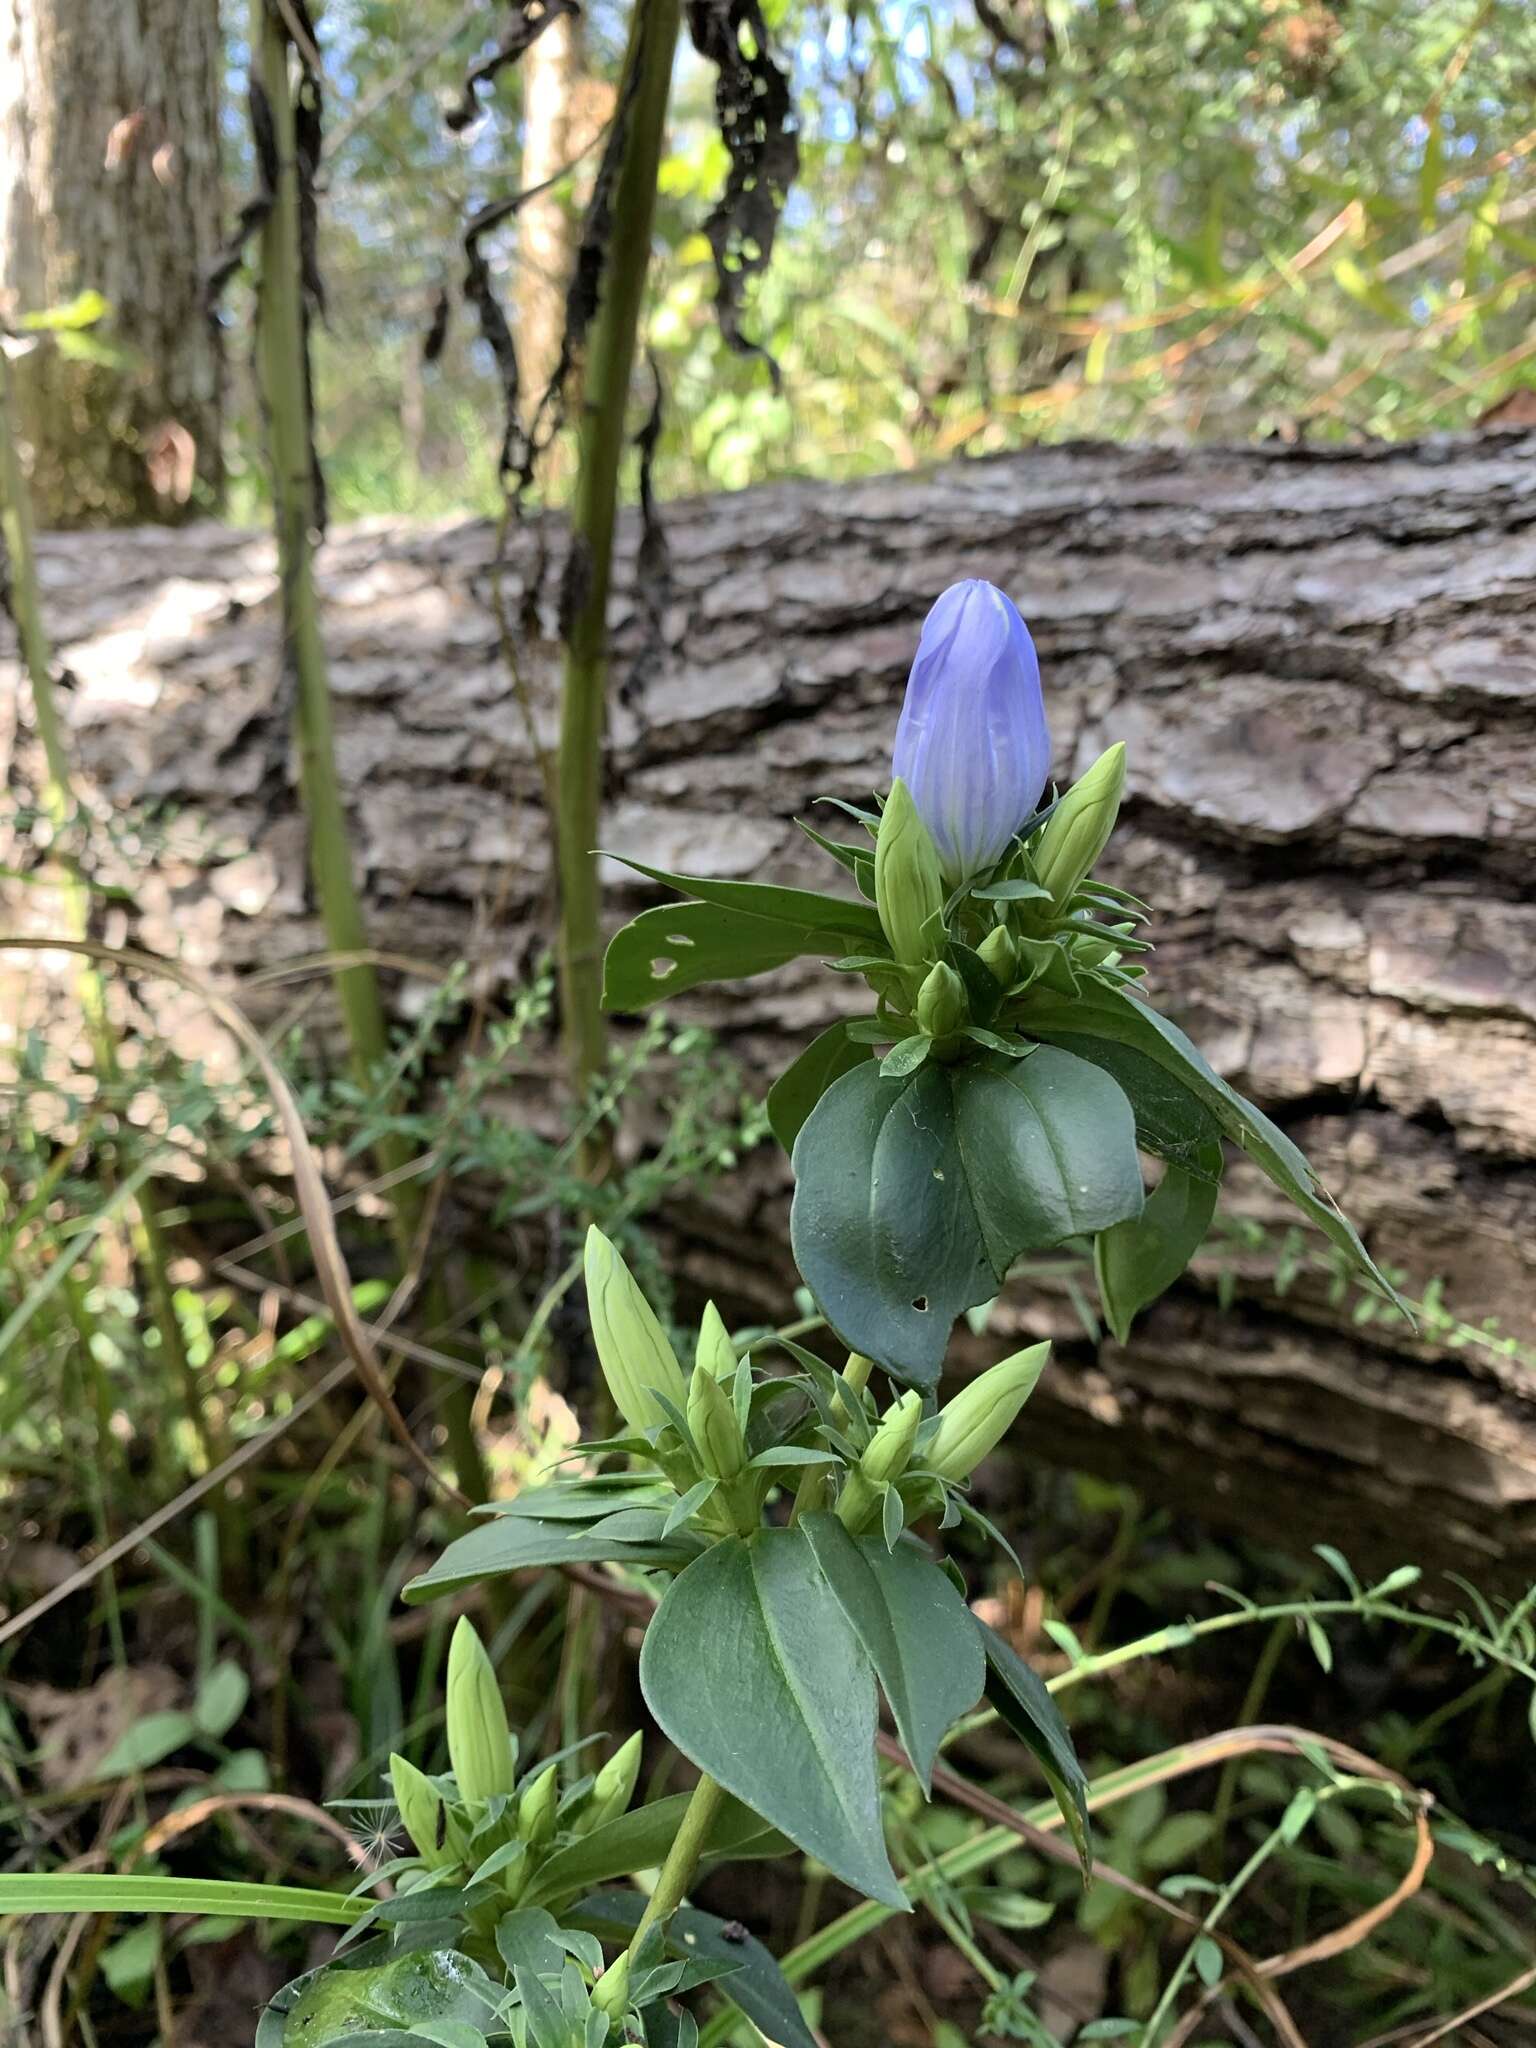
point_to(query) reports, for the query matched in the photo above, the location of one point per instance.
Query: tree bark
(1322, 664)
(109, 182)
(556, 124)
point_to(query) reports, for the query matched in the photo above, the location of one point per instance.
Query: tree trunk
(1322, 664)
(552, 73)
(109, 183)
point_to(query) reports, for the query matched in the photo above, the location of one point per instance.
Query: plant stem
(610, 359)
(281, 365)
(282, 371)
(677, 1873)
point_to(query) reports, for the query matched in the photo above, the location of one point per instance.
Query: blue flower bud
(972, 744)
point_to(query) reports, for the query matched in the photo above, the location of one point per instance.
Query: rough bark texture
(1323, 666)
(109, 182)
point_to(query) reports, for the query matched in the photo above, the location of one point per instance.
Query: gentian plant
(995, 1098)
(782, 1518)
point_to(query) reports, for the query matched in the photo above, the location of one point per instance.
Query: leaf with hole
(914, 1195)
(676, 947)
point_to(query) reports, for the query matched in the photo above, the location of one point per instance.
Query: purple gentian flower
(972, 744)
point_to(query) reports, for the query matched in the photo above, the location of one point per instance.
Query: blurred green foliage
(1016, 220)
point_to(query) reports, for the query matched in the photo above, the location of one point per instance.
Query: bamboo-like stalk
(59, 804)
(610, 361)
(282, 372)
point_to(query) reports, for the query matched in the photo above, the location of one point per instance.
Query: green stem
(610, 360)
(677, 1873)
(281, 359)
(282, 372)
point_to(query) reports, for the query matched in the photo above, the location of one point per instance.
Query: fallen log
(1323, 664)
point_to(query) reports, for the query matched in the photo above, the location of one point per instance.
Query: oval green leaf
(752, 1670)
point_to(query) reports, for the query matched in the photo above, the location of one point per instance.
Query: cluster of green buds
(483, 1819)
(695, 1427)
(909, 1462)
(875, 1470)
(963, 955)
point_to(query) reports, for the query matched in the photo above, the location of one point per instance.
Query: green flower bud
(941, 1004)
(536, 1807)
(610, 1994)
(615, 1785)
(1000, 956)
(631, 1345)
(1080, 826)
(716, 1353)
(890, 1448)
(479, 1740)
(909, 883)
(423, 1813)
(716, 1432)
(980, 1414)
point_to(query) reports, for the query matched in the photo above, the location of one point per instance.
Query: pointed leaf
(676, 947)
(639, 1840)
(915, 1628)
(751, 1668)
(804, 910)
(1138, 1260)
(514, 1544)
(1023, 1703)
(756, 1986)
(1125, 1020)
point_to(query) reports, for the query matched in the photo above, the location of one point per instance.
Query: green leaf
(756, 1986)
(515, 1544)
(1025, 1706)
(804, 910)
(428, 1987)
(880, 1224)
(803, 1083)
(1122, 1018)
(1015, 891)
(1170, 1122)
(220, 1700)
(639, 1840)
(915, 1628)
(751, 1669)
(1138, 1260)
(1171, 1845)
(149, 1741)
(680, 946)
(93, 1893)
(906, 1057)
(585, 1500)
(1049, 1150)
(913, 1196)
